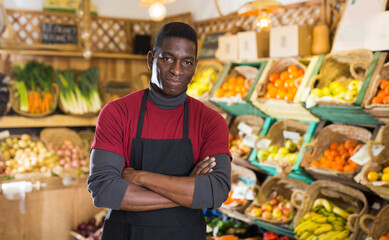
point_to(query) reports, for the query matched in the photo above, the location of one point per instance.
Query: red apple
(273, 202)
(267, 214)
(286, 212)
(266, 207)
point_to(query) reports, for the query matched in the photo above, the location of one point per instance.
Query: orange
(301, 72)
(387, 234)
(377, 100)
(327, 164)
(381, 93)
(314, 163)
(294, 75)
(334, 153)
(385, 100)
(385, 177)
(340, 161)
(323, 160)
(384, 238)
(384, 83)
(270, 86)
(284, 76)
(327, 153)
(240, 80)
(338, 168)
(372, 176)
(348, 168)
(292, 68)
(273, 77)
(232, 80)
(278, 83)
(334, 146)
(350, 143)
(289, 97)
(219, 93)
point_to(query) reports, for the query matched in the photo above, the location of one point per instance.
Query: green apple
(291, 157)
(283, 151)
(351, 95)
(336, 88)
(278, 157)
(262, 154)
(326, 91)
(340, 95)
(272, 156)
(317, 92)
(353, 84)
(290, 145)
(273, 149)
(277, 213)
(257, 212)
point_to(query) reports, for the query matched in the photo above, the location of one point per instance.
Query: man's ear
(150, 59)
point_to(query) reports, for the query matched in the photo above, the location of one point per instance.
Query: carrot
(46, 102)
(36, 103)
(30, 100)
(42, 105)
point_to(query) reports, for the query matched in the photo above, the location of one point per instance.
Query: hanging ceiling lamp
(157, 10)
(261, 9)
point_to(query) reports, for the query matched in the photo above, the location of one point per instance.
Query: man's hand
(131, 175)
(203, 167)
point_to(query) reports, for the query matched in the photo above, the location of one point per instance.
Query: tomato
(334, 146)
(350, 143)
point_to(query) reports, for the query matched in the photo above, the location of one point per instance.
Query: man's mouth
(174, 82)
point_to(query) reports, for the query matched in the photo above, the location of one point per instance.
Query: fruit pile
(236, 145)
(70, 156)
(379, 176)
(202, 82)
(284, 86)
(273, 154)
(233, 87)
(24, 155)
(278, 209)
(325, 221)
(91, 229)
(337, 157)
(337, 91)
(382, 94)
(273, 236)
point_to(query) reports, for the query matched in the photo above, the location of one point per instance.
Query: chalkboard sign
(209, 45)
(59, 34)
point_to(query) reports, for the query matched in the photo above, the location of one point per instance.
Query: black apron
(172, 157)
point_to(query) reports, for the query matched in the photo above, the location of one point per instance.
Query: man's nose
(176, 68)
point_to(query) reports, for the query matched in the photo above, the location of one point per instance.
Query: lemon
(385, 170)
(372, 176)
(385, 177)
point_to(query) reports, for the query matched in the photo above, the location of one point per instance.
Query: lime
(372, 176)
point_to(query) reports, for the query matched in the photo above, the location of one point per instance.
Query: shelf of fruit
(55, 120)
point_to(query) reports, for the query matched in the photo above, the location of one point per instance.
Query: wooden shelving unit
(57, 120)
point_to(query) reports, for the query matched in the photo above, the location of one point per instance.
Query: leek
(23, 95)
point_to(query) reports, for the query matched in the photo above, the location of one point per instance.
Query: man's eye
(188, 63)
(166, 58)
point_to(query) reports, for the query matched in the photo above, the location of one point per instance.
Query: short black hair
(175, 29)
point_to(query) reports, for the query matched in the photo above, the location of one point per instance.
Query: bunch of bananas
(326, 221)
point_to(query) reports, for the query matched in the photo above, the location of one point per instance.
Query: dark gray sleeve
(105, 181)
(212, 190)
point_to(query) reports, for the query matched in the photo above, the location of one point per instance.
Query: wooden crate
(283, 109)
(245, 107)
(349, 114)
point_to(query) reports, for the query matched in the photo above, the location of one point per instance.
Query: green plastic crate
(296, 172)
(245, 108)
(349, 114)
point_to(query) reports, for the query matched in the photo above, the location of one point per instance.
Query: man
(173, 148)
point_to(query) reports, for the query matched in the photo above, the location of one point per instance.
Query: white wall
(200, 9)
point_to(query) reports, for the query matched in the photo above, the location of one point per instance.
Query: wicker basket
(240, 175)
(342, 196)
(276, 135)
(273, 186)
(113, 89)
(56, 137)
(15, 102)
(254, 122)
(377, 163)
(329, 134)
(277, 67)
(380, 226)
(380, 111)
(341, 66)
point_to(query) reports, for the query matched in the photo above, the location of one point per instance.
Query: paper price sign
(244, 128)
(295, 136)
(362, 156)
(249, 140)
(4, 134)
(263, 143)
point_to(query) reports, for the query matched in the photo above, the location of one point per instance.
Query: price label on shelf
(362, 156)
(263, 143)
(250, 140)
(244, 128)
(295, 136)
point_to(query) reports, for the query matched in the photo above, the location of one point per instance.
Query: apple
(266, 207)
(273, 149)
(286, 212)
(291, 157)
(266, 214)
(283, 151)
(280, 198)
(336, 88)
(317, 92)
(281, 205)
(290, 145)
(262, 154)
(273, 201)
(272, 156)
(326, 91)
(353, 84)
(276, 213)
(340, 95)
(256, 212)
(278, 157)
(284, 218)
(351, 95)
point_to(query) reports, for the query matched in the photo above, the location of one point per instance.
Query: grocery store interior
(302, 85)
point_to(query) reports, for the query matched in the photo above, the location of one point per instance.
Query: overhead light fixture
(261, 9)
(157, 10)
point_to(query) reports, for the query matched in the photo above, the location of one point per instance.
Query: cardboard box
(253, 45)
(290, 41)
(228, 48)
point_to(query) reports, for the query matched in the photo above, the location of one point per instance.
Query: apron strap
(142, 116)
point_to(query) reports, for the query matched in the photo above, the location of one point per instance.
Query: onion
(62, 162)
(92, 221)
(75, 164)
(82, 226)
(59, 153)
(67, 153)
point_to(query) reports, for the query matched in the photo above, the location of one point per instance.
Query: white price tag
(244, 128)
(263, 143)
(240, 192)
(4, 134)
(376, 206)
(362, 156)
(249, 140)
(295, 136)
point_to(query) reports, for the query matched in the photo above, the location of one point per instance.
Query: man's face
(173, 66)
